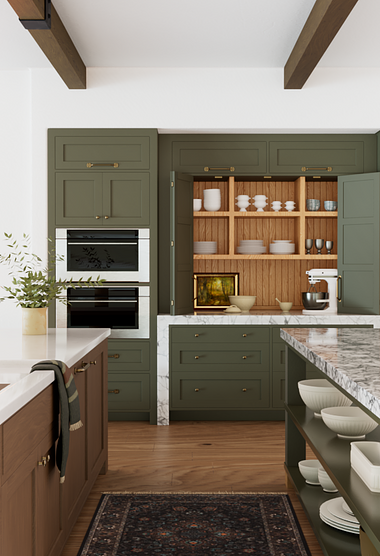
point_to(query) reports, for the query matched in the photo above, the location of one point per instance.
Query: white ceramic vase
(212, 199)
(34, 320)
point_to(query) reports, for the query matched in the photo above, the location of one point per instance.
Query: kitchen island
(37, 511)
(273, 320)
(351, 362)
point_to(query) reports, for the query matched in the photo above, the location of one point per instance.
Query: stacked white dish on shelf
(282, 247)
(212, 199)
(276, 205)
(205, 247)
(251, 247)
(243, 202)
(260, 202)
(337, 514)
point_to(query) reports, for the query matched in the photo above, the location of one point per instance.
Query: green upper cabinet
(102, 199)
(99, 152)
(227, 157)
(323, 157)
(359, 243)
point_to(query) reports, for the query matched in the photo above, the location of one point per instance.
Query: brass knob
(44, 461)
(97, 217)
(196, 390)
(244, 357)
(106, 217)
(196, 335)
(196, 357)
(244, 335)
(244, 389)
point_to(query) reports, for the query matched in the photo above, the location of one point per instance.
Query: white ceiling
(201, 33)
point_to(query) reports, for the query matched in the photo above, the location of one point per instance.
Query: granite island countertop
(18, 353)
(350, 357)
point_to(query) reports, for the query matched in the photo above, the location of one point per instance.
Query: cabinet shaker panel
(126, 199)
(99, 153)
(78, 199)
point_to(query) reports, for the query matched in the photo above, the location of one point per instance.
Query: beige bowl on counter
(244, 302)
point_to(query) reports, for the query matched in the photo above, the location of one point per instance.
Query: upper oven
(114, 255)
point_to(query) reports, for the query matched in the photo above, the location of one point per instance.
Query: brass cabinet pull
(244, 357)
(196, 357)
(116, 391)
(115, 356)
(196, 389)
(244, 335)
(244, 390)
(228, 169)
(106, 217)
(97, 217)
(337, 288)
(112, 164)
(44, 461)
(196, 335)
(84, 367)
(326, 168)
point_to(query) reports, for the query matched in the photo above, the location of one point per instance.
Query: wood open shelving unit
(268, 276)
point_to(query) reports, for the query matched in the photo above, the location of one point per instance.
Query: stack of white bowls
(205, 247)
(282, 247)
(251, 247)
(290, 205)
(276, 205)
(260, 202)
(212, 199)
(243, 202)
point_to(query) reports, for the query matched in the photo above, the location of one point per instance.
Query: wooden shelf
(267, 256)
(266, 214)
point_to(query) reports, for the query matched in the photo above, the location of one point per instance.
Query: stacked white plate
(205, 247)
(337, 514)
(282, 247)
(251, 247)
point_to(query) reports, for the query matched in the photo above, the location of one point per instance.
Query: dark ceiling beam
(55, 42)
(323, 23)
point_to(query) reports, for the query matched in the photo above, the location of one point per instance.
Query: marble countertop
(350, 357)
(18, 353)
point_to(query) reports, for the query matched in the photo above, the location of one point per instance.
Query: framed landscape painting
(212, 290)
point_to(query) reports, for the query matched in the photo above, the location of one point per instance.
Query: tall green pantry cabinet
(107, 178)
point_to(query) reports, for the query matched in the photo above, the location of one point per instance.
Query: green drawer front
(74, 153)
(202, 391)
(216, 357)
(243, 156)
(126, 356)
(130, 392)
(278, 351)
(278, 390)
(290, 157)
(220, 333)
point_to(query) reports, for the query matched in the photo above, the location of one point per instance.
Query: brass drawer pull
(116, 391)
(196, 357)
(115, 356)
(244, 335)
(112, 164)
(196, 389)
(44, 461)
(97, 217)
(326, 168)
(84, 367)
(106, 217)
(244, 390)
(196, 335)
(244, 357)
(228, 169)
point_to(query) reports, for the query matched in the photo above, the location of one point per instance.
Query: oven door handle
(91, 243)
(102, 300)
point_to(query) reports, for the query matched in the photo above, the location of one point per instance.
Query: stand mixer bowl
(309, 300)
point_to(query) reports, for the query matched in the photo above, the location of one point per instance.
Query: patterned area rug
(194, 524)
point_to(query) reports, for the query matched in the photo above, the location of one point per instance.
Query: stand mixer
(329, 275)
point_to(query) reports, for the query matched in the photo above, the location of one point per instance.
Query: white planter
(34, 321)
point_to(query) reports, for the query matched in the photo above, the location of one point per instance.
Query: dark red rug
(194, 524)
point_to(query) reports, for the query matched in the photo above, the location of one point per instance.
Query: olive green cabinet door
(310, 157)
(79, 199)
(359, 243)
(128, 392)
(125, 199)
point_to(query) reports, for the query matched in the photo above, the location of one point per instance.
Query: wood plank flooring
(192, 456)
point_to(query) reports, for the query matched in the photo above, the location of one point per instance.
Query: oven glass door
(102, 250)
(113, 307)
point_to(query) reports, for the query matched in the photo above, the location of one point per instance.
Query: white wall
(241, 100)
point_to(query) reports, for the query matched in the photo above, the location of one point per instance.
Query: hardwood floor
(192, 456)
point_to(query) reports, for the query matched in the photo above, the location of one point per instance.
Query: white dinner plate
(340, 527)
(346, 508)
(335, 508)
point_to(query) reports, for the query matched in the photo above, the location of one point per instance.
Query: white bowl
(309, 470)
(348, 422)
(285, 306)
(197, 204)
(318, 393)
(326, 482)
(244, 302)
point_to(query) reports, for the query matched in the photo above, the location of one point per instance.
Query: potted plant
(34, 285)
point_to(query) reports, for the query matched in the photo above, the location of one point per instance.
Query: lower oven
(125, 310)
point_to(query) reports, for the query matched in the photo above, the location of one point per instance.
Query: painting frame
(218, 287)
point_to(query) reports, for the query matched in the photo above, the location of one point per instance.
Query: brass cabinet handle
(196, 335)
(112, 164)
(196, 389)
(337, 288)
(97, 217)
(196, 357)
(116, 391)
(244, 357)
(228, 169)
(115, 356)
(326, 168)
(44, 461)
(84, 367)
(244, 335)
(106, 217)
(244, 390)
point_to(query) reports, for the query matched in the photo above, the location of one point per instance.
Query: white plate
(328, 517)
(335, 508)
(281, 241)
(339, 527)
(346, 508)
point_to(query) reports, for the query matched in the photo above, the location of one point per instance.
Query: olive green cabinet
(128, 379)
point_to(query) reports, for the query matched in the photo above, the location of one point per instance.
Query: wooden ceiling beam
(55, 43)
(323, 23)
